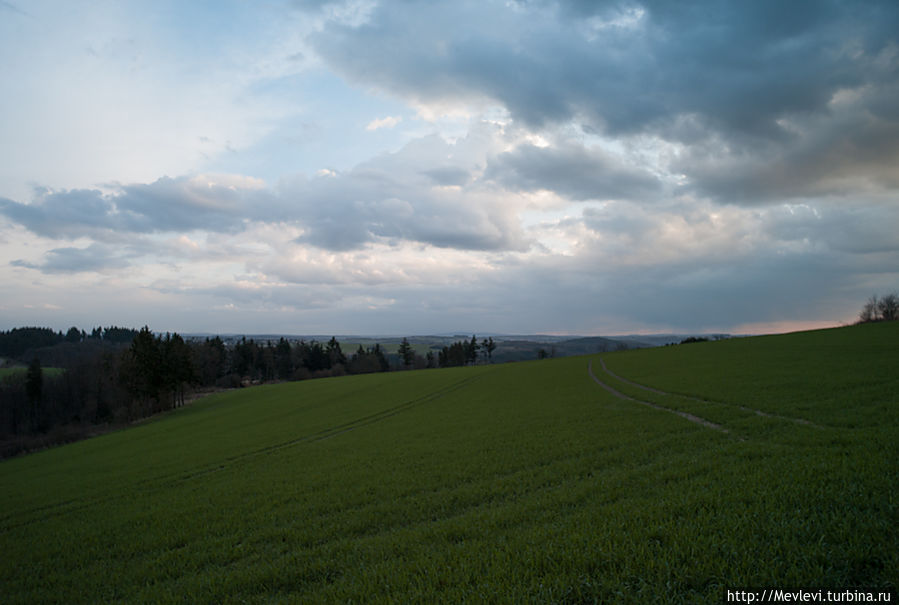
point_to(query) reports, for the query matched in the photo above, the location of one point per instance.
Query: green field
(13, 371)
(20, 371)
(510, 483)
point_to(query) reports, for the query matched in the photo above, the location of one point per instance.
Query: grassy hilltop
(524, 482)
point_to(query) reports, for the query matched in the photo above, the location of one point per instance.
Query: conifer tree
(406, 353)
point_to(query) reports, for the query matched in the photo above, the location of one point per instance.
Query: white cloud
(387, 122)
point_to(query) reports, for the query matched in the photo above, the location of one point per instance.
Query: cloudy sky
(365, 167)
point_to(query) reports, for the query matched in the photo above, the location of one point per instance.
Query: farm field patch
(523, 482)
(20, 371)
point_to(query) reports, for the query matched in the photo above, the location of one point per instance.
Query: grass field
(20, 371)
(14, 371)
(522, 482)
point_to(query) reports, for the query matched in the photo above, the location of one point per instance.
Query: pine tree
(34, 384)
(283, 359)
(142, 373)
(177, 366)
(335, 355)
(471, 350)
(488, 345)
(406, 353)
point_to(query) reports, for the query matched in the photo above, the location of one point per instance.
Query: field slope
(525, 482)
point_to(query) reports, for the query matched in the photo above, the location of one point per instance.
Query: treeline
(465, 352)
(251, 362)
(95, 381)
(18, 341)
(112, 376)
(885, 308)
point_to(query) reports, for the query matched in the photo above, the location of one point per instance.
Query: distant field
(4, 372)
(524, 482)
(21, 370)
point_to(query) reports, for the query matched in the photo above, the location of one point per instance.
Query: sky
(405, 167)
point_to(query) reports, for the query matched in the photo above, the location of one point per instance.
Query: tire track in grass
(685, 415)
(336, 430)
(74, 505)
(736, 405)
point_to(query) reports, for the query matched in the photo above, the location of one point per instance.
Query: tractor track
(755, 411)
(685, 415)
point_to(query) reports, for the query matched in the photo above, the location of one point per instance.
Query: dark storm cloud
(96, 257)
(852, 150)
(62, 214)
(740, 65)
(184, 204)
(571, 171)
(741, 80)
(181, 204)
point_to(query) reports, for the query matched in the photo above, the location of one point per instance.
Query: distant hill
(640, 341)
(509, 347)
(520, 350)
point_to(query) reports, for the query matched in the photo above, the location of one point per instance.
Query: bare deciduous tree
(885, 308)
(869, 311)
(889, 307)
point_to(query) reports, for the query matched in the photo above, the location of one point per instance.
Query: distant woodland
(61, 387)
